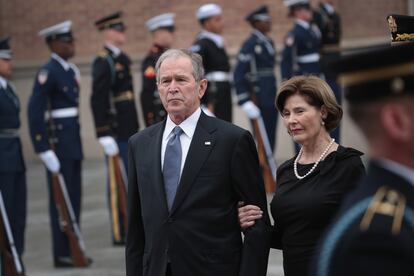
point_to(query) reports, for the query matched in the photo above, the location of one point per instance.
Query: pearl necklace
(295, 163)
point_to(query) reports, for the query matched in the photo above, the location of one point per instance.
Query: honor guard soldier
(302, 44)
(113, 98)
(53, 117)
(210, 45)
(12, 167)
(254, 75)
(329, 23)
(162, 31)
(373, 232)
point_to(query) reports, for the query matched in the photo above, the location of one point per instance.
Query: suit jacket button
(170, 220)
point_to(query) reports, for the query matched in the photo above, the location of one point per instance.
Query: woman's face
(302, 120)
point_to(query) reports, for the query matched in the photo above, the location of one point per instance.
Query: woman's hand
(248, 214)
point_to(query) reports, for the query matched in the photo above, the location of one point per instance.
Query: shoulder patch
(258, 49)
(243, 57)
(42, 76)
(149, 72)
(290, 40)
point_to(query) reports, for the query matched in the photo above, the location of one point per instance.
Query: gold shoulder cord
(387, 202)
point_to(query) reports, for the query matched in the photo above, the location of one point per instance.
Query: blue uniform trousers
(71, 171)
(14, 190)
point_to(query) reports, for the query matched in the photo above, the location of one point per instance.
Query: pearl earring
(322, 123)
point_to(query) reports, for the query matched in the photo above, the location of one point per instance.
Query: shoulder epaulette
(386, 202)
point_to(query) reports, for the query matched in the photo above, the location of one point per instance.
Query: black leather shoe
(118, 243)
(65, 262)
(62, 262)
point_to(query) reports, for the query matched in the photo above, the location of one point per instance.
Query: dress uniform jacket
(301, 53)
(217, 70)
(12, 167)
(56, 91)
(255, 71)
(113, 98)
(152, 107)
(11, 157)
(373, 232)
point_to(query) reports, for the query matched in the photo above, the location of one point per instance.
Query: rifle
(118, 194)
(68, 222)
(67, 219)
(11, 265)
(264, 150)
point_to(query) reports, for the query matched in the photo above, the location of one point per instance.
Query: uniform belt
(218, 76)
(309, 58)
(124, 96)
(62, 113)
(9, 133)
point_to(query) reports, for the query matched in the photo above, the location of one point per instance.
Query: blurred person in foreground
(187, 174)
(162, 31)
(311, 185)
(373, 232)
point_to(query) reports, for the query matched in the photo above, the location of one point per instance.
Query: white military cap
(165, 20)
(290, 3)
(61, 30)
(208, 10)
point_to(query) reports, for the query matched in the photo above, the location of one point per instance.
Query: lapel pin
(207, 143)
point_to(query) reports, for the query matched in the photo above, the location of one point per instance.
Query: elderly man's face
(179, 91)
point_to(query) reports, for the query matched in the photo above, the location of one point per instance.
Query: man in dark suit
(373, 233)
(186, 175)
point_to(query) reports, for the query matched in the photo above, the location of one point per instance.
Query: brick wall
(24, 18)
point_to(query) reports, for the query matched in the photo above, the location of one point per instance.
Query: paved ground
(108, 260)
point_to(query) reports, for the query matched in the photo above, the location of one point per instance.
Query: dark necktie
(172, 165)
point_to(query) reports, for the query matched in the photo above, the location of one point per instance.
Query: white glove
(50, 160)
(252, 111)
(109, 145)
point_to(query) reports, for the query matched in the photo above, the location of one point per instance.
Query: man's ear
(397, 122)
(202, 86)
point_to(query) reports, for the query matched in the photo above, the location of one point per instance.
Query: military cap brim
(112, 21)
(260, 14)
(376, 72)
(5, 51)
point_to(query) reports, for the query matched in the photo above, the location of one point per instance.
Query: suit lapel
(201, 145)
(154, 152)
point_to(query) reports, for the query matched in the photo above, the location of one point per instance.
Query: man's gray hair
(196, 62)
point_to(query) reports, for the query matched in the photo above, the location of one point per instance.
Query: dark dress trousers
(350, 249)
(201, 234)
